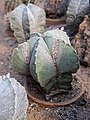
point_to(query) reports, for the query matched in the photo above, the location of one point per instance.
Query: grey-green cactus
(77, 9)
(48, 58)
(25, 20)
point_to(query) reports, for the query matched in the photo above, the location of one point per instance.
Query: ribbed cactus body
(50, 56)
(55, 8)
(12, 4)
(25, 20)
(13, 99)
(76, 11)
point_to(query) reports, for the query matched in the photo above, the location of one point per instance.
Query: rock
(81, 41)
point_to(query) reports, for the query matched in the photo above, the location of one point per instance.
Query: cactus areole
(49, 59)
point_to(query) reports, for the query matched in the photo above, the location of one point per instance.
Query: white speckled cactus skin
(26, 19)
(13, 99)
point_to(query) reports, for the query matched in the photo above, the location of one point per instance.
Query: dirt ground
(79, 110)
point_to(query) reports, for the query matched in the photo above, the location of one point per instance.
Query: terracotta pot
(55, 22)
(44, 103)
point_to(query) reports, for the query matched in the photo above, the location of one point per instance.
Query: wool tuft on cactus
(49, 58)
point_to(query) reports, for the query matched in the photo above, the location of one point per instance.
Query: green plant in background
(49, 58)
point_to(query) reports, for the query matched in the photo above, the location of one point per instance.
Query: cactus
(77, 9)
(12, 4)
(55, 8)
(48, 58)
(13, 99)
(25, 20)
